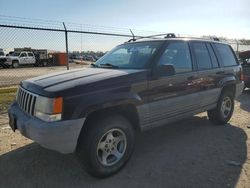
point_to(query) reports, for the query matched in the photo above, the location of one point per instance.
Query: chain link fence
(34, 47)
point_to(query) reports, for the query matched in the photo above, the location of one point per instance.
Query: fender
(231, 79)
(99, 101)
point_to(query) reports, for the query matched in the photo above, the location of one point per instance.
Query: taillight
(241, 75)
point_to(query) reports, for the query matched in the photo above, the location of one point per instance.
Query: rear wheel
(15, 64)
(106, 145)
(247, 85)
(45, 63)
(224, 109)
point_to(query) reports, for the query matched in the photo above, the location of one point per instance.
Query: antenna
(133, 39)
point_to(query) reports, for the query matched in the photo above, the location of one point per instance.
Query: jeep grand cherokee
(94, 112)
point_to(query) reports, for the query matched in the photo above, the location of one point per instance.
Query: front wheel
(224, 109)
(106, 145)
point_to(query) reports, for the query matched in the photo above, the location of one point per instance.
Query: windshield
(129, 56)
(15, 54)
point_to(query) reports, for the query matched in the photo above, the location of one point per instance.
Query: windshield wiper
(109, 65)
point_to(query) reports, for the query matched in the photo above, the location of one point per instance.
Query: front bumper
(5, 63)
(60, 136)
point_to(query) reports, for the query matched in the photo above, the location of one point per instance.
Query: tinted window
(178, 55)
(226, 55)
(202, 56)
(213, 57)
(30, 54)
(23, 55)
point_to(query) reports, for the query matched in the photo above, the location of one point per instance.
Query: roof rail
(216, 39)
(172, 35)
(149, 36)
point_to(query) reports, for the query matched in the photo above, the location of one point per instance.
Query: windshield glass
(15, 54)
(129, 56)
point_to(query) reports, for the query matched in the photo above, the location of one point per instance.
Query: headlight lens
(49, 109)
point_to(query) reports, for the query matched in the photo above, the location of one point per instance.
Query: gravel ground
(190, 153)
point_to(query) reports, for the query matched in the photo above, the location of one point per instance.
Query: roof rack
(171, 35)
(149, 36)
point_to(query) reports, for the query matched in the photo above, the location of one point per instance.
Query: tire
(45, 64)
(247, 85)
(97, 150)
(15, 64)
(224, 109)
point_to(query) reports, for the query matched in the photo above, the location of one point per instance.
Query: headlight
(49, 109)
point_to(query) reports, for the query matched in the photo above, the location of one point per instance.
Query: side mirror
(165, 70)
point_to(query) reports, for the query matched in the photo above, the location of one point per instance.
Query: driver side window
(178, 55)
(23, 55)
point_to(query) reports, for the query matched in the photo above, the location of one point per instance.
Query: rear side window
(178, 55)
(202, 56)
(30, 54)
(226, 55)
(212, 55)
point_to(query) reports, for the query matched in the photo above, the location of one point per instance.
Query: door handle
(192, 77)
(220, 72)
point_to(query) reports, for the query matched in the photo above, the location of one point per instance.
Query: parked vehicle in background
(246, 72)
(139, 85)
(43, 58)
(90, 58)
(18, 58)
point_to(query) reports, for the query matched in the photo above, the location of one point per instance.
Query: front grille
(26, 100)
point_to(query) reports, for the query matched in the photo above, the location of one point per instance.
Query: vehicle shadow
(244, 100)
(191, 153)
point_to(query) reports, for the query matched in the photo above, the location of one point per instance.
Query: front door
(23, 58)
(172, 96)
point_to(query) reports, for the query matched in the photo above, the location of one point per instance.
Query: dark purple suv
(94, 112)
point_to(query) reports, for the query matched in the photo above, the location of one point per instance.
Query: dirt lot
(190, 153)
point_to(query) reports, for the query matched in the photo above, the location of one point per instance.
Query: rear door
(209, 73)
(31, 58)
(173, 96)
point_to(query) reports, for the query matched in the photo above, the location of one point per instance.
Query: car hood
(83, 80)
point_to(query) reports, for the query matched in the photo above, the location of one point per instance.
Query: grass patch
(7, 95)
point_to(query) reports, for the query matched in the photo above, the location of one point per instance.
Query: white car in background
(18, 58)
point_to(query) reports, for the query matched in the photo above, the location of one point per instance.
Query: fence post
(66, 41)
(237, 51)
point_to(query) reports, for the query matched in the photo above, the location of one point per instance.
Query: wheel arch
(228, 84)
(129, 111)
